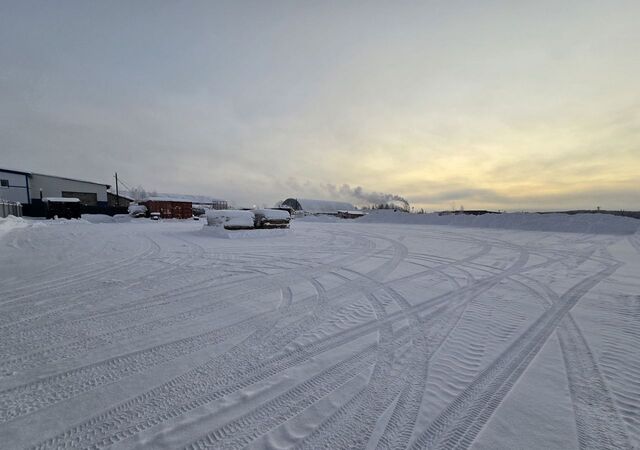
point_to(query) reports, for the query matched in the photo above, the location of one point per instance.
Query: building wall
(54, 187)
(113, 200)
(17, 190)
(169, 210)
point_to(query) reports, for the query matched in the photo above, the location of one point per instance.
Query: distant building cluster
(42, 195)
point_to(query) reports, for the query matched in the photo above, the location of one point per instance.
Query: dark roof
(121, 195)
(14, 171)
(22, 172)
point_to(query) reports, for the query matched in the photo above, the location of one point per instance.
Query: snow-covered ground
(334, 335)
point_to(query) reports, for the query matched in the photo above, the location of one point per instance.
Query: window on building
(4, 183)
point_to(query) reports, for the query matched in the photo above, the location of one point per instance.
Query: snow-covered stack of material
(136, 210)
(230, 219)
(271, 218)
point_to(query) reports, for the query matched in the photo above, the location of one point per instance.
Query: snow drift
(576, 223)
(11, 223)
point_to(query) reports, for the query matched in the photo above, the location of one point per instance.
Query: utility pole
(117, 192)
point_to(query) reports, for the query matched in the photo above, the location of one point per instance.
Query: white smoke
(371, 198)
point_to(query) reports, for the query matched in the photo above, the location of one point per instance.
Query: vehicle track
(102, 333)
(52, 285)
(597, 417)
(458, 425)
(206, 383)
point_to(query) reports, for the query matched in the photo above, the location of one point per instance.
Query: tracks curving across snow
(339, 335)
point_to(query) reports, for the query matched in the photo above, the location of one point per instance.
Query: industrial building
(30, 187)
(119, 200)
(317, 207)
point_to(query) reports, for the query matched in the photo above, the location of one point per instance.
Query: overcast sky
(486, 104)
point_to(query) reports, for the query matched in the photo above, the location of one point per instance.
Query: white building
(30, 188)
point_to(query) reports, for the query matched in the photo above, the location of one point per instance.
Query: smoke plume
(371, 198)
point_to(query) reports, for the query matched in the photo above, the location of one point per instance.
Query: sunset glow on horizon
(482, 105)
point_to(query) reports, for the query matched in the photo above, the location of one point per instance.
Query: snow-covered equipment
(231, 219)
(136, 210)
(271, 218)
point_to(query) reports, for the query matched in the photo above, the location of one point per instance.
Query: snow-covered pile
(576, 223)
(273, 214)
(11, 223)
(271, 218)
(230, 219)
(137, 210)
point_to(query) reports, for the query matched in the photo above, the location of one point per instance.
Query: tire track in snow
(115, 330)
(353, 423)
(198, 386)
(242, 366)
(597, 418)
(458, 425)
(75, 279)
(620, 359)
(240, 432)
(399, 428)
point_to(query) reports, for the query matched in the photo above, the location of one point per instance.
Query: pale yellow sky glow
(500, 105)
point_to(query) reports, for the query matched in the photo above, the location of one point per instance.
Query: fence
(10, 209)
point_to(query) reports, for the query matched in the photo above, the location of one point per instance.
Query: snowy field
(334, 335)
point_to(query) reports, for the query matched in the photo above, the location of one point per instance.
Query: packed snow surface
(345, 335)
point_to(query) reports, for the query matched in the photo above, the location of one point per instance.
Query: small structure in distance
(305, 206)
(169, 207)
(351, 214)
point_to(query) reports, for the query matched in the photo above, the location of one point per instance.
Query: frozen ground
(334, 335)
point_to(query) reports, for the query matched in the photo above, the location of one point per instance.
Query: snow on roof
(322, 206)
(167, 199)
(61, 199)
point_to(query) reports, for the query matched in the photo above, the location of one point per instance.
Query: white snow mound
(11, 223)
(573, 223)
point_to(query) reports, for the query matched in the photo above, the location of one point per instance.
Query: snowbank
(577, 223)
(11, 223)
(271, 218)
